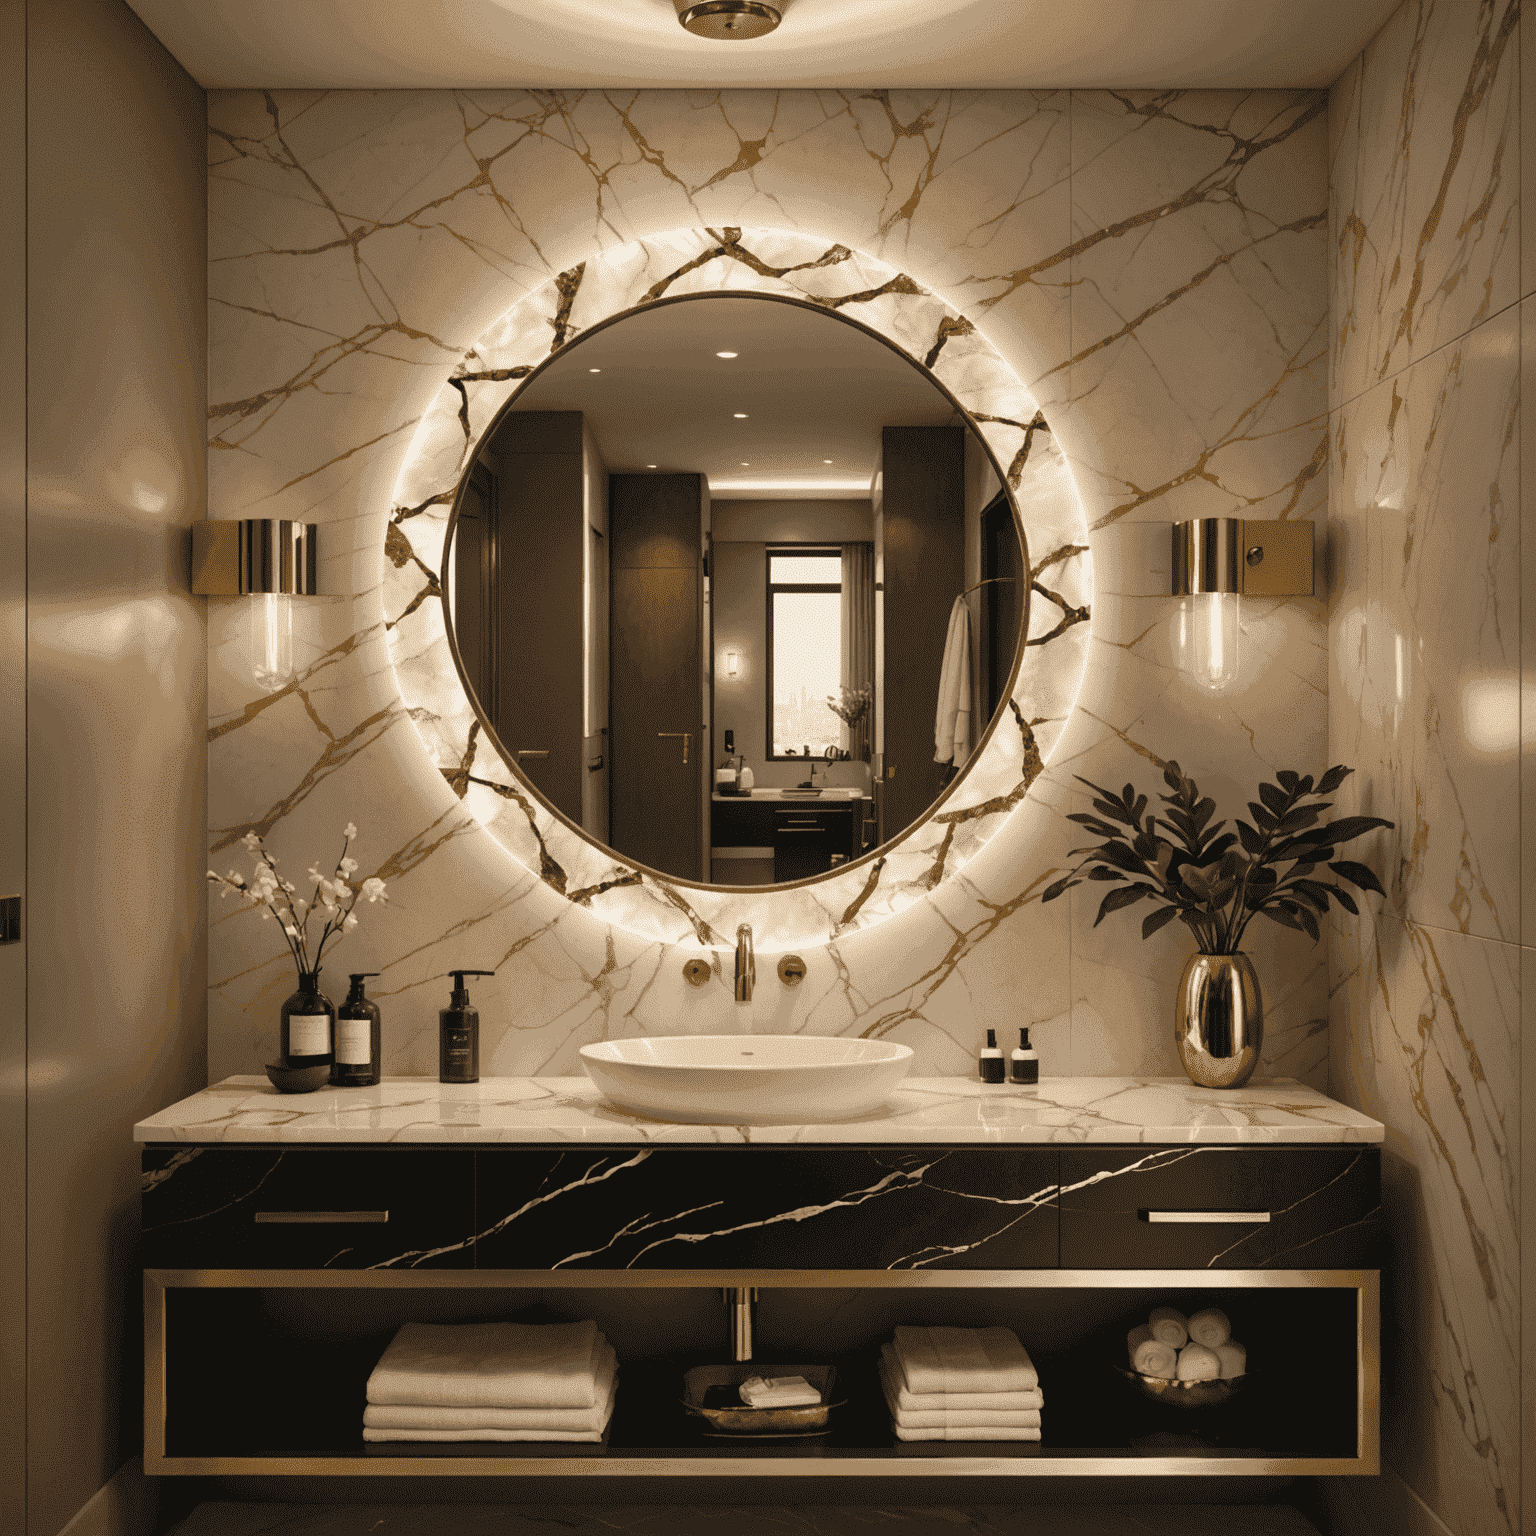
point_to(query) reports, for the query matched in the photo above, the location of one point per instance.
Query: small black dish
(298, 1079)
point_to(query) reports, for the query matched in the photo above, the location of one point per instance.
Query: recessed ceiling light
(726, 354)
(744, 464)
(729, 21)
(650, 466)
(594, 370)
(826, 461)
(741, 415)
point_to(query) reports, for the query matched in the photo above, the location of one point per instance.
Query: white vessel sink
(747, 1079)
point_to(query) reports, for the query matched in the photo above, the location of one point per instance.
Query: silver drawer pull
(1236, 1218)
(323, 1217)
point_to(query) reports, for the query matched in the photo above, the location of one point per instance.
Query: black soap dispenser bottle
(458, 1034)
(991, 1062)
(358, 1029)
(1025, 1063)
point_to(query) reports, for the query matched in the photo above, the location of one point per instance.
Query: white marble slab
(1152, 1110)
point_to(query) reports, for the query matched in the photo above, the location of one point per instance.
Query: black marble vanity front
(765, 1208)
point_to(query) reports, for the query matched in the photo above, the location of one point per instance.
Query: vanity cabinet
(802, 837)
(307, 1255)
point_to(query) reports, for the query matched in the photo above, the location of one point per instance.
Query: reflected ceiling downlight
(729, 21)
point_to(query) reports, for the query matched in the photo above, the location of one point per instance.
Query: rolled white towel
(1234, 1359)
(1210, 1327)
(1149, 1356)
(1197, 1363)
(1170, 1325)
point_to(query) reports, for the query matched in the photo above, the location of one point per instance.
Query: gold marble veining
(362, 244)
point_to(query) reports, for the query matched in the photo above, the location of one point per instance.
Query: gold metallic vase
(1218, 1020)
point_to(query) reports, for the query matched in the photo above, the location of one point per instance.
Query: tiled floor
(750, 1520)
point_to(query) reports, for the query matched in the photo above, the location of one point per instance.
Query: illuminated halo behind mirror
(728, 539)
(896, 308)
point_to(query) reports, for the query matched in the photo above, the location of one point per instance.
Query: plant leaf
(1345, 828)
(1309, 923)
(1301, 816)
(1252, 839)
(1094, 825)
(1289, 779)
(1305, 787)
(1159, 919)
(1274, 797)
(1121, 857)
(1278, 915)
(1052, 891)
(1121, 896)
(1262, 819)
(1358, 874)
(1315, 892)
(1114, 810)
(1331, 780)
(1344, 899)
(1104, 872)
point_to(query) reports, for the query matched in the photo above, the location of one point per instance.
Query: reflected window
(805, 640)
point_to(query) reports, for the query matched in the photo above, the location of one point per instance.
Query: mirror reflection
(735, 588)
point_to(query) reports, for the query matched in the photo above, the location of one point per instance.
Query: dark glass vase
(308, 1032)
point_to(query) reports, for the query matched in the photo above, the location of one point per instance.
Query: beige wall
(1428, 496)
(115, 701)
(13, 803)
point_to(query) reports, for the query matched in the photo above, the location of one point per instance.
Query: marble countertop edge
(925, 1111)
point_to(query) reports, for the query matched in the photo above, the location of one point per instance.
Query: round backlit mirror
(731, 540)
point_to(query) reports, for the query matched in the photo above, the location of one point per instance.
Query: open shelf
(264, 1378)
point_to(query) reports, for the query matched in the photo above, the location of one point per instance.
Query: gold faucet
(746, 964)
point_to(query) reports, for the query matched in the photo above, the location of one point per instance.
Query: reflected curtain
(858, 648)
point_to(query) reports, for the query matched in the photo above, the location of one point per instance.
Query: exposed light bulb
(1209, 637)
(271, 640)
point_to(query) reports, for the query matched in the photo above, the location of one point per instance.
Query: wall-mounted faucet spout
(746, 964)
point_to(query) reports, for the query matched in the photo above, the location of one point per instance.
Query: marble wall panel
(361, 240)
(1428, 466)
(1426, 1038)
(1426, 188)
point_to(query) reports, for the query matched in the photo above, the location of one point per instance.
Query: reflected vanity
(735, 529)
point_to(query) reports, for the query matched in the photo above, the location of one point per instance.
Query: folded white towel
(1209, 1327)
(965, 1434)
(489, 1365)
(778, 1392)
(419, 1416)
(488, 1432)
(964, 1360)
(1149, 1356)
(954, 1402)
(959, 1418)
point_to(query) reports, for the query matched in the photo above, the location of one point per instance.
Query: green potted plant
(1281, 865)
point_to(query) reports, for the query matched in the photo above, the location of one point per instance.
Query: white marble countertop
(837, 796)
(957, 1110)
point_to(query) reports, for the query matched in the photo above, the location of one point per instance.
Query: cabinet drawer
(384, 1208)
(759, 1208)
(1221, 1208)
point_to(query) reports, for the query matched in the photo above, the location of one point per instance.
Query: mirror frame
(684, 266)
(489, 732)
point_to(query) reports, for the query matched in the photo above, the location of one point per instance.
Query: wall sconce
(1217, 561)
(271, 561)
(732, 661)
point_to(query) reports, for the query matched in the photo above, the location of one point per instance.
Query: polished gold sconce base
(1253, 559)
(233, 558)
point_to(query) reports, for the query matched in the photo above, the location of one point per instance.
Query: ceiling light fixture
(594, 370)
(727, 354)
(729, 21)
(741, 415)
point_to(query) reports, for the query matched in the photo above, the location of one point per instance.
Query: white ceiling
(811, 386)
(853, 43)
